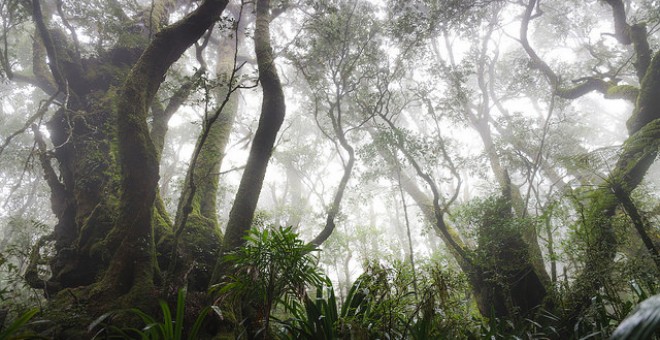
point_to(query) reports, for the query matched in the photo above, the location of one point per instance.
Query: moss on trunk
(105, 199)
(637, 155)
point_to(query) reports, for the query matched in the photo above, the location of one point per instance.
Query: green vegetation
(168, 326)
(273, 266)
(17, 329)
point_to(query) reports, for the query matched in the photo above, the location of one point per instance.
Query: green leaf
(167, 328)
(198, 322)
(180, 306)
(11, 331)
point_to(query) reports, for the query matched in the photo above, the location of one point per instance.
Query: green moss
(70, 312)
(68, 315)
(647, 107)
(200, 243)
(639, 152)
(627, 92)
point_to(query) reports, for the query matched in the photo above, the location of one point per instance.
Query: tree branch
(51, 51)
(38, 115)
(585, 85)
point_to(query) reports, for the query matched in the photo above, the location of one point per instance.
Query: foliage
(15, 330)
(316, 318)
(611, 306)
(542, 328)
(465, 101)
(15, 294)
(273, 266)
(170, 327)
(382, 303)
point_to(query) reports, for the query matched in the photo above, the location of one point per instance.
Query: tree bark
(196, 218)
(273, 109)
(133, 264)
(272, 116)
(98, 230)
(638, 153)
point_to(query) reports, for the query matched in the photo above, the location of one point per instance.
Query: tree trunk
(201, 236)
(133, 265)
(504, 279)
(637, 155)
(108, 164)
(501, 274)
(272, 116)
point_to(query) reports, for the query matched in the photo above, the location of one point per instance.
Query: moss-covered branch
(635, 34)
(637, 155)
(647, 108)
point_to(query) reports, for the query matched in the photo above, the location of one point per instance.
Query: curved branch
(348, 169)
(538, 62)
(584, 85)
(38, 115)
(334, 208)
(438, 211)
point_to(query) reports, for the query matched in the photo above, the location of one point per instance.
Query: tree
(347, 62)
(272, 115)
(637, 153)
(196, 216)
(104, 185)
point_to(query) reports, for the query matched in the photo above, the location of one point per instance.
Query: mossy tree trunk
(84, 188)
(637, 154)
(500, 270)
(200, 235)
(505, 279)
(133, 265)
(103, 188)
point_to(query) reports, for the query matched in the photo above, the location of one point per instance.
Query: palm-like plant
(273, 265)
(316, 318)
(319, 318)
(364, 313)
